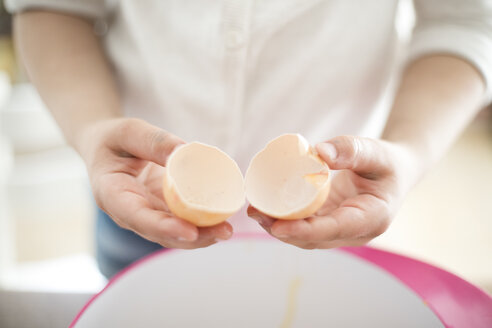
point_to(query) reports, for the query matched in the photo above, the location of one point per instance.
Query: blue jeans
(117, 248)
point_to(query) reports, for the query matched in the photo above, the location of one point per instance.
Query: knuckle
(128, 124)
(122, 131)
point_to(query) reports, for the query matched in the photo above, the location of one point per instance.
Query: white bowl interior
(257, 283)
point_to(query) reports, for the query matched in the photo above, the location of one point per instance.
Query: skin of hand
(438, 96)
(125, 157)
(126, 160)
(365, 193)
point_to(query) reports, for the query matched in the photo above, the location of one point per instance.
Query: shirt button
(234, 39)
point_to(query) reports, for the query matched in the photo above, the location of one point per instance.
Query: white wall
(48, 230)
(6, 231)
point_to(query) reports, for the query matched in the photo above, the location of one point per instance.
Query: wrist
(90, 136)
(409, 165)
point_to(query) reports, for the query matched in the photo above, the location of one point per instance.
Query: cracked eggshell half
(287, 179)
(202, 184)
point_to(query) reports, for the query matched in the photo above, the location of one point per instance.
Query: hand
(365, 194)
(125, 160)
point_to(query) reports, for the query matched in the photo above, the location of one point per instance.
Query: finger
(206, 237)
(159, 226)
(339, 243)
(367, 157)
(327, 245)
(219, 232)
(145, 141)
(264, 220)
(133, 211)
(363, 216)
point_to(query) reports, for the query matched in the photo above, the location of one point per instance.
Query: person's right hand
(126, 159)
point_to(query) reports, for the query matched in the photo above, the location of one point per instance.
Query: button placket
(234, 39)
(235, 29)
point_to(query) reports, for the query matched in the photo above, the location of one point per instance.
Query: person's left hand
(374, 176)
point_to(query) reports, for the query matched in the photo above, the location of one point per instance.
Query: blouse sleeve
(457, 27)
(93, 9)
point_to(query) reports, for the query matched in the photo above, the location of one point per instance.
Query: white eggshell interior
(205, 177)
(276, 180)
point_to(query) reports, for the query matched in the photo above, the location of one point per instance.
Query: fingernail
(187, 238)
(327, 149)
(223, 238)
(225, 233)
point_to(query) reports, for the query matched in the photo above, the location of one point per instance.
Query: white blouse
(237, 73)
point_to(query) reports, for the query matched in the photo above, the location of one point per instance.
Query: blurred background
(46, 209)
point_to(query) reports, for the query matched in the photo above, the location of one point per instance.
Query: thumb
(366, 157)
(145, 141)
